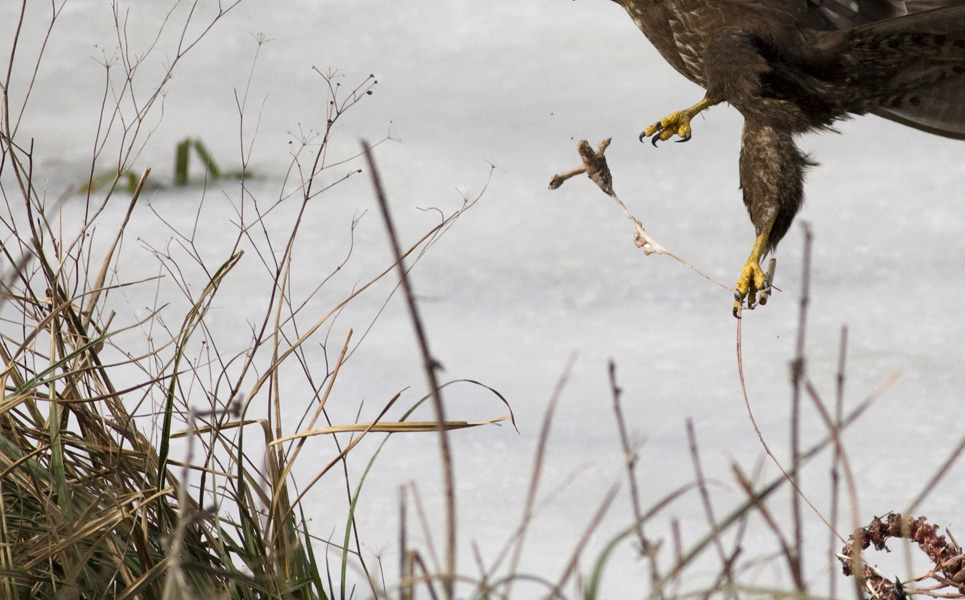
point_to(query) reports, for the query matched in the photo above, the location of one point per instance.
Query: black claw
(686, 138)
(657, 128)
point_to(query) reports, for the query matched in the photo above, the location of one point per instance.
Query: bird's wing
(917, 6)
(939, 106)
(828, 15)
(935, 114)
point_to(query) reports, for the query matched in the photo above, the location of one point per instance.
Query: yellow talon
(752, 280)
(754, 284)
(677, 123)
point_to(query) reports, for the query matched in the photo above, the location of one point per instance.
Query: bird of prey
(794, 66)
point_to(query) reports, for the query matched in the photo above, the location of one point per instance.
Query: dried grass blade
(390, 427)
(219, 427)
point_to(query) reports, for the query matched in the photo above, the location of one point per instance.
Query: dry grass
(98, 401)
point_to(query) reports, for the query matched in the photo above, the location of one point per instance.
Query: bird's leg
(752, 279)
(677, 123)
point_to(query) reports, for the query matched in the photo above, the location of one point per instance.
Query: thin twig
(430, 365)
(797, 374)
(595, 167)
(944, 469)
(793, 557)
(630, 460)
(834, 429)
(98, 286)
(702, 487)
(836, 460)
(684, 559)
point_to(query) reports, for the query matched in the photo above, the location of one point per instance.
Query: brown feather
(793, 66)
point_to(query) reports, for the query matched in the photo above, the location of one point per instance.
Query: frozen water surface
(531, 280)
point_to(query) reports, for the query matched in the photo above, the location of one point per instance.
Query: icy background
(531, 279)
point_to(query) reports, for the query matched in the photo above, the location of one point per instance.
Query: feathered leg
(772, 179)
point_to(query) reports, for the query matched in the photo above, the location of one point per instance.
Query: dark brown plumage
(793, 66)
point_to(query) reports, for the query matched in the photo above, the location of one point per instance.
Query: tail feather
(937, 109)
(911, 70)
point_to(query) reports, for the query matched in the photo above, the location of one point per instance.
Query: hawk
(794, 66)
